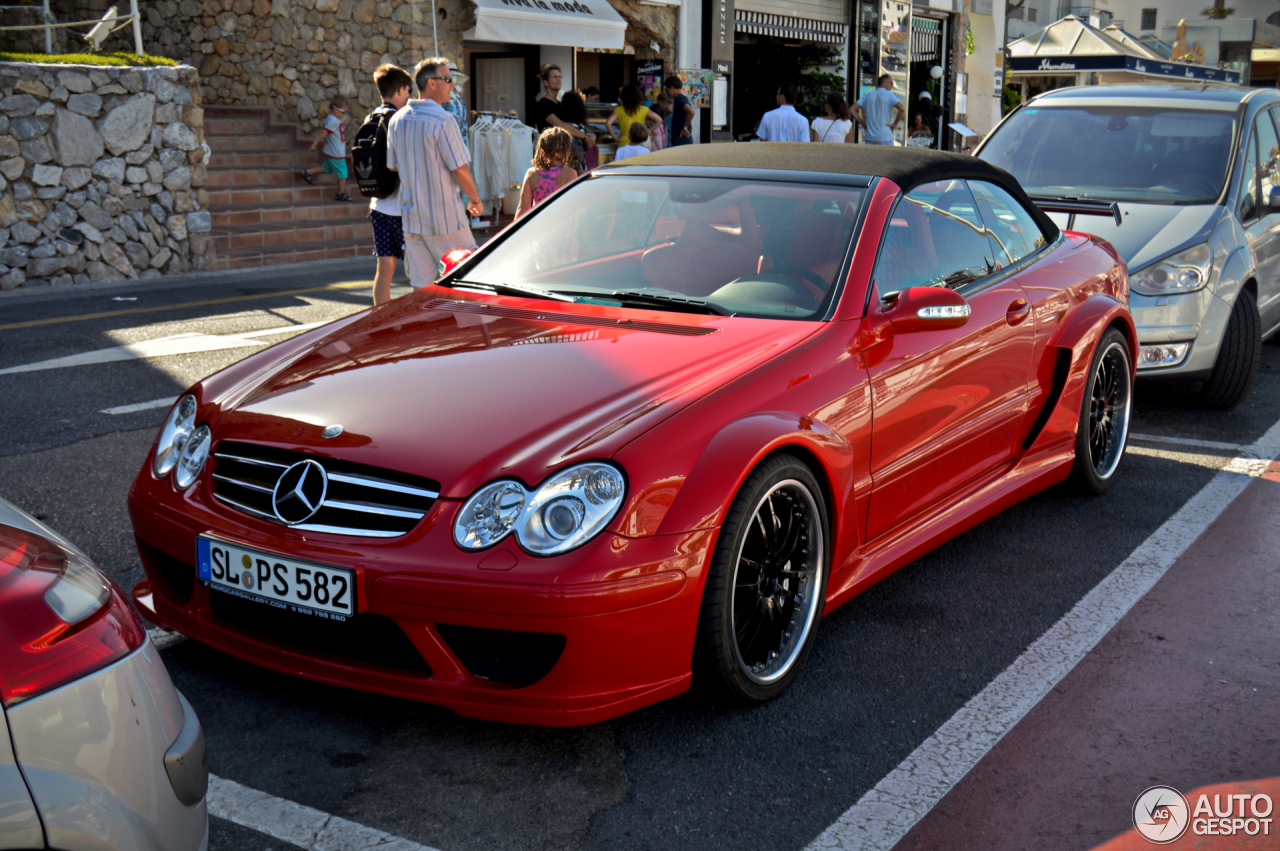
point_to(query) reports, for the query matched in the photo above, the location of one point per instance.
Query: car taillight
(60, 618)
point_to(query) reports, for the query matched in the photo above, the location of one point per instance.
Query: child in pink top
(549, 172)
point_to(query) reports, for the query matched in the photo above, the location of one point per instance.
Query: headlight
(194, 453)
(182, 419)
(565, 512)
(1184, 272)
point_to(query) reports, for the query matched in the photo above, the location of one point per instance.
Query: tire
(1238, 356)
(760, 609)
(1103, 428)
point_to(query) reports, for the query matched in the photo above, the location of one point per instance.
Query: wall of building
(101, 174)
(988, 34)
(1169, 12)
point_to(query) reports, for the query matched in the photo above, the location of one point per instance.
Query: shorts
(336, 167)
(870, 142)
(388, 238)
(423, 251)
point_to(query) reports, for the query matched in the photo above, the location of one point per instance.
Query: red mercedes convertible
(646, 436)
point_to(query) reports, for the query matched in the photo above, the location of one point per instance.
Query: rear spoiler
(1078, 207)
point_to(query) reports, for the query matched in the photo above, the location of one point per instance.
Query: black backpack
(369, 156)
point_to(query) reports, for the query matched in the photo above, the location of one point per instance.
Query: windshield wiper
(511, 289)
(692, 305)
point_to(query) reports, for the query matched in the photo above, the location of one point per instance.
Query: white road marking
(140, 406)
(1187, 441)
(884, 815)
(163, 638)
(302, 826)
(177, 344)
(1255, 467)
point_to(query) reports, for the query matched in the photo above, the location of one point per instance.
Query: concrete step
(273, 213)
(298, 252)
(264, 157)
(324, 231)
(277, 193)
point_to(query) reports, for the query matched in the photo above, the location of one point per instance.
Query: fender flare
(1238, 269)
(740, 446)
(1087, 322)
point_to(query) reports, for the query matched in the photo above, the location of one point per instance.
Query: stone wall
(101, 172)
(297, 54)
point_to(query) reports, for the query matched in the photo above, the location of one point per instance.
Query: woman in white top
(836, 126)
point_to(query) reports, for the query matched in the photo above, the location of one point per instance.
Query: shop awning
(788, 27)
(576, 23)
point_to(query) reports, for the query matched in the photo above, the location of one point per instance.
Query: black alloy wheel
(1103, 429)
(765, 589)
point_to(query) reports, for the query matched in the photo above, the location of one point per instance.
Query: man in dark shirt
(546, 112)
(682, 113)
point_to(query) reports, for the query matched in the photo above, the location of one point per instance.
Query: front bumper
(94, 756)
(450, 633)
(1198, 318)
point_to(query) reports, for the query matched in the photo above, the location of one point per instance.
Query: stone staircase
(262, 211)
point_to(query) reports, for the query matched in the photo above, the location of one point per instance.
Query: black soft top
(907, 167)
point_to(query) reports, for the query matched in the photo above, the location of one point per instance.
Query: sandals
(308, 178)
(342, 196)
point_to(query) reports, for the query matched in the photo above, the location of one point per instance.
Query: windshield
(752, 248)
(1158, 156)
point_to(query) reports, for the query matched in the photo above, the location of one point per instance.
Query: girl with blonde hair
(550, 169)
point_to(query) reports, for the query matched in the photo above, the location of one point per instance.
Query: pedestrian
(682, 112)
(574, 112)
(631, 108)
(880, 112)
(550, 169)
(836, 126)
(639, 135)
(333, 136)
(784, 124)
(546, 112)
(394, 85)
(591, 94)
(426, 149)
(660, 134)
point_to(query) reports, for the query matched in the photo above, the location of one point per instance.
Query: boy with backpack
(376, 181)
(334, 138)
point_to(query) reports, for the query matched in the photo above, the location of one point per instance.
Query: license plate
(282, 583)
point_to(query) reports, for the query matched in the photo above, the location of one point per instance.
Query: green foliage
(1217, 13)
(968, 41)
(122, 60)
(800, 64)
(1010, 98)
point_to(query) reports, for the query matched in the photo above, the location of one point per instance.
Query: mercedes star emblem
(331, 431)
(299, 492)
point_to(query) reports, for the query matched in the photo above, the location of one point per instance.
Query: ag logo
(1160, 814)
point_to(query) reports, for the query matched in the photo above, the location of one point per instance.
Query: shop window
(1148, 19)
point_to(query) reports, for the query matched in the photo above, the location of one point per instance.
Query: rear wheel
(1104, 414)
(766, 586)
(1238, 356)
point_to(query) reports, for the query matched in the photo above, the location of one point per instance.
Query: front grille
(503, 655)
(367, 502)
(363, 638)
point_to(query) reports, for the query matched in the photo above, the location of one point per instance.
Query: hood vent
(526, 314)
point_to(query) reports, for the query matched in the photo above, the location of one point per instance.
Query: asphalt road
(888, 668)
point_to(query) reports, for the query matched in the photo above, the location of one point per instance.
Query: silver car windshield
(751, 248)
(1158, 156)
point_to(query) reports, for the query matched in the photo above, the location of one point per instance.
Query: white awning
(576, 23)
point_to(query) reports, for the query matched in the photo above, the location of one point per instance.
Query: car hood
(447, 390)
(1150, 231)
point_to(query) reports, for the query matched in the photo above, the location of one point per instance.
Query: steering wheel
(811, 282)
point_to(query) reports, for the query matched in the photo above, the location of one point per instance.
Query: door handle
(1018, 311)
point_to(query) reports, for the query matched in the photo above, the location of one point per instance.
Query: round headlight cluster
(182, 447)
(565, 512)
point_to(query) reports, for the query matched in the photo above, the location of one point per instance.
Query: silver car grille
(361, 501)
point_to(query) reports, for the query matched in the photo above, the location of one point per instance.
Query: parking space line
(140, 406)
(294, 823)
(884, 815)
(1187, 441)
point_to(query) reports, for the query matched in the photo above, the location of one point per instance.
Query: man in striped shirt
(424, 145)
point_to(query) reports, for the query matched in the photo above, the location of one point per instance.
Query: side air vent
(503, 655)
(334, 496)
(567, 318)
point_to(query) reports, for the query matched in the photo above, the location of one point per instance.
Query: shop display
(501, 153)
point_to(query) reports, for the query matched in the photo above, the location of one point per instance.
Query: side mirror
(927, 309)
(451, 260)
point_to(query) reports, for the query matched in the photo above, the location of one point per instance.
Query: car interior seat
(720, 242)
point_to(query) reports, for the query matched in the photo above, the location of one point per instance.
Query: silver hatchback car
(1194, 172)
(98, 750)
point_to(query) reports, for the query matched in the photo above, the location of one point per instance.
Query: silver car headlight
(191, 460)
(173, 436)
(1184, 272)
(565, 512)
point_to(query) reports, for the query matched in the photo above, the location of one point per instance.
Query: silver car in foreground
(1195, 174)
(99, 750)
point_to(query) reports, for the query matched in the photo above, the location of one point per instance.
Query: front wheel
(1238, 356)
(765, 588)
(1104, 414)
